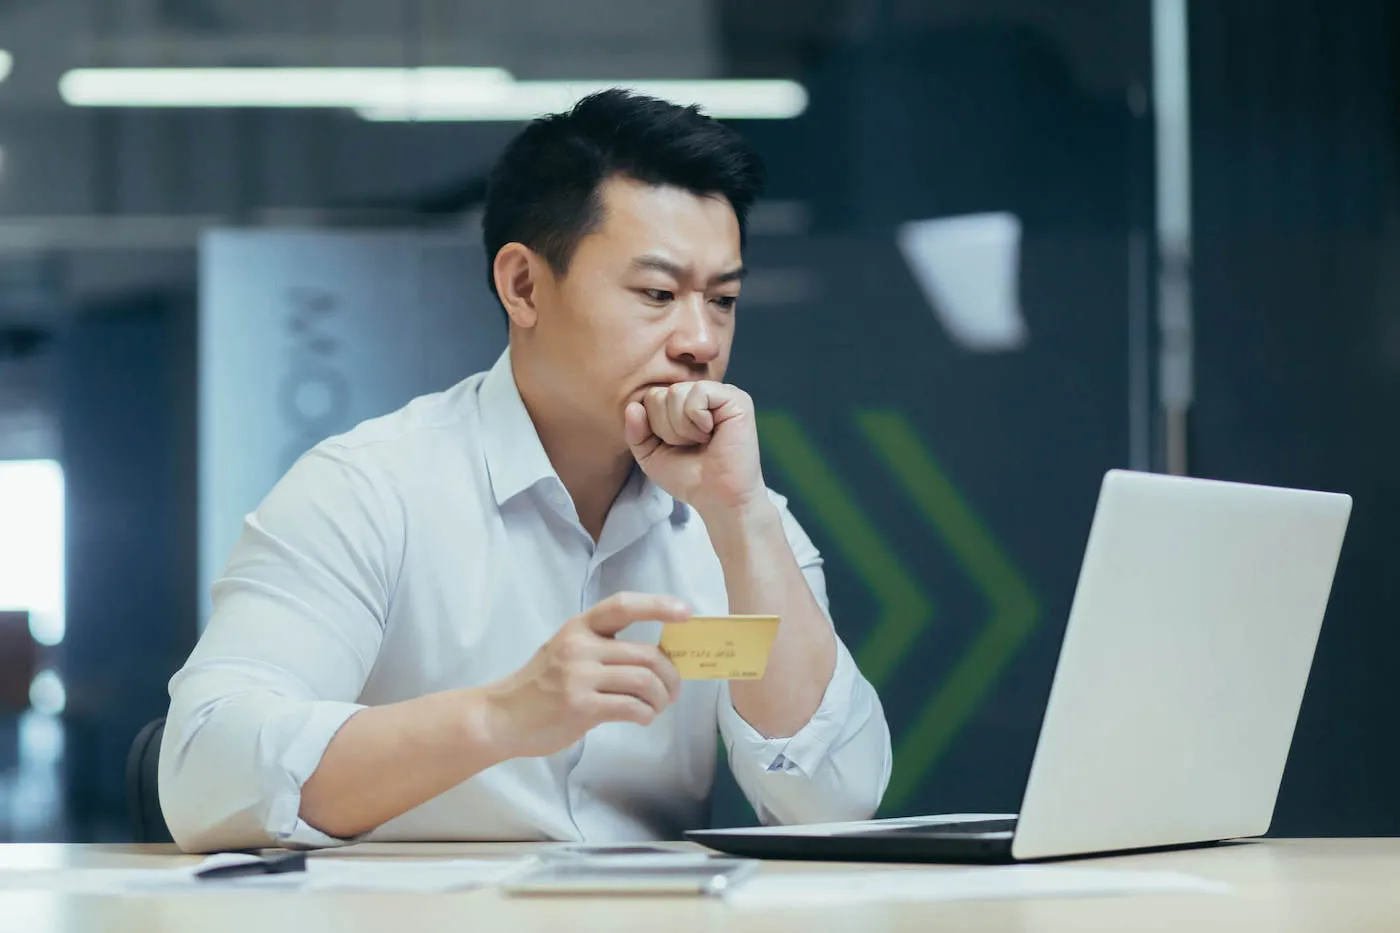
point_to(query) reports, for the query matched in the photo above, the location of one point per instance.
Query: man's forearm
(386, 760)
(763, 577)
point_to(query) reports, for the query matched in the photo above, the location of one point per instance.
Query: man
(442, 625)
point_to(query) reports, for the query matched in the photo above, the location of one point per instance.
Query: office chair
(142, 787)
(19, 661)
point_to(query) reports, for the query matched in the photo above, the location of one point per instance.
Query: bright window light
(7, 62)
(525, 100)
(347, 88)
(31, 544)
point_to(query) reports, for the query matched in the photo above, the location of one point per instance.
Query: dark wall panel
(127, 408)
(1298, 344)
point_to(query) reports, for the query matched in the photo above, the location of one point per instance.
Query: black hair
(544, 190)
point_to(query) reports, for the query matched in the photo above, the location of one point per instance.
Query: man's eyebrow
(658, 264)
(679, 272)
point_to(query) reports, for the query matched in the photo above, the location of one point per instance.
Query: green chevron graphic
(905, 610)
(1013, 605)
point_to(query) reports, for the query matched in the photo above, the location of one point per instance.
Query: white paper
(839, 889)
(323, 873)
(361, 874)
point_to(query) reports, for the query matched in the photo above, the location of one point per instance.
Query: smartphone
(627, 849)
(709, 877)
(632, 854)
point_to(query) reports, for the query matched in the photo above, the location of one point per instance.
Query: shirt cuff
(302, 740)
(805, 750)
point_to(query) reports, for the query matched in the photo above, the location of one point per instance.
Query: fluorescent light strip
(7, 61)
(525, 100)
(407, 94)
(272, 87)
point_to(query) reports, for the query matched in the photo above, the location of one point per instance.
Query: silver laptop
(1176, 693)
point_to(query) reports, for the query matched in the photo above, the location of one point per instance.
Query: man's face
(648, 299)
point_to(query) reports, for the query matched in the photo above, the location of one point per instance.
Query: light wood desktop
(1279, 885)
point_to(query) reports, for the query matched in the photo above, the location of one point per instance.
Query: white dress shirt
(436, 548)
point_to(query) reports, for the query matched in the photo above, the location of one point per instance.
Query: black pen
(264, 865)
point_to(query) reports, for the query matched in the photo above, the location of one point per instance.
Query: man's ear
(518, 271)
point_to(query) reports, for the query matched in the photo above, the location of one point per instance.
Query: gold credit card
(720, 647)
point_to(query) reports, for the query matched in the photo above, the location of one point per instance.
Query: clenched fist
(699, 442)
(583, 677)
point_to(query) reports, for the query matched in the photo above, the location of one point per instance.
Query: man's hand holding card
(720, 647)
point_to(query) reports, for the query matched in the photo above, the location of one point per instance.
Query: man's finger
(650, 657)
(659, 416)
(620, 610)
(637, 429)
(697, 411)
(725, 402)
(678, 401)
(639, 682)
(665, 423)
(616, 707)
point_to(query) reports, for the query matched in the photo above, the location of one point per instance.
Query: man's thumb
(637, 430)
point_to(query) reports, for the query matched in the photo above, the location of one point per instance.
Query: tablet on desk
(710, 876)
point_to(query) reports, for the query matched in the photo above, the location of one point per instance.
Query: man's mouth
(640, 392)
(660, 384)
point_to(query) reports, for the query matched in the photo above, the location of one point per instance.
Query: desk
(1280, 885)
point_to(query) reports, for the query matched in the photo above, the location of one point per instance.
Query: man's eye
(659, 295)
(727, 302)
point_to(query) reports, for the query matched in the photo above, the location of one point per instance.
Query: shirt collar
(516, 460)
(655, 501)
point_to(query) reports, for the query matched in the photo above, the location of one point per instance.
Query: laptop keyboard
(971, 827)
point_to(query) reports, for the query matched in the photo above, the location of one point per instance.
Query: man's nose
(694, 339)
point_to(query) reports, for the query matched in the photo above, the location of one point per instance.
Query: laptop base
(919, 843)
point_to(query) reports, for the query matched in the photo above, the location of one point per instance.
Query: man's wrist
(734, 527)
(482, 727)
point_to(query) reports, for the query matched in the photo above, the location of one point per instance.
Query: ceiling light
(7, 62)
(271, 87)
(525, 100)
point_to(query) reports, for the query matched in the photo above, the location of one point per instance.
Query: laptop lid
(1183, 665)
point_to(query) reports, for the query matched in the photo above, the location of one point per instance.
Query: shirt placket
(576, 782)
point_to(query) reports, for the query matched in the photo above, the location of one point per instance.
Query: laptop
(1176, 692)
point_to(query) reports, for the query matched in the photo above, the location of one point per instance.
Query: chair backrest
(142, 785)
(19, 654)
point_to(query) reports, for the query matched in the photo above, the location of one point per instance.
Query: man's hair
(545, 190)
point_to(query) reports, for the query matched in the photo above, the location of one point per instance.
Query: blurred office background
(1007, 245)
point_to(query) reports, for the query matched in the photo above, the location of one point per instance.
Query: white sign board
(302, 335)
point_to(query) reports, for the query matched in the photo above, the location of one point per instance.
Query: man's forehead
(669, 223)
(631, 202)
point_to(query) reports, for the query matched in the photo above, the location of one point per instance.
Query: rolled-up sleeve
(837, 766)
(297, 623)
